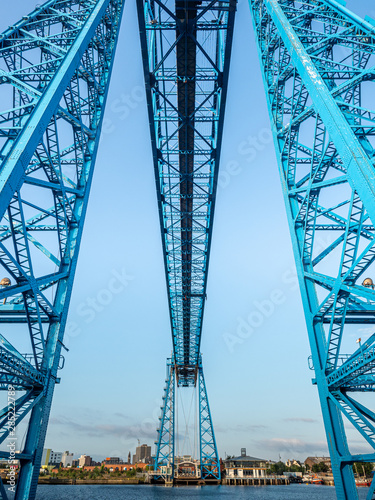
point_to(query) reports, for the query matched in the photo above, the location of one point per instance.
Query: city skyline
(118, 329)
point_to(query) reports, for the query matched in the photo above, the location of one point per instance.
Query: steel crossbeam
(317, 62)
(55, 66)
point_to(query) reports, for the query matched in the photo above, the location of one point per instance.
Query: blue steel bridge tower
(186, 47)
(318, 67)
(55, 66)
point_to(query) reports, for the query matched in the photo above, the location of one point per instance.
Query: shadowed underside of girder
(186, 48)
(54, 72)
(318, 69)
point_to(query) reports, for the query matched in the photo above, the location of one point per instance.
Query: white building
(245, 466)
(67, 459)
(84, 460)
(51, 457)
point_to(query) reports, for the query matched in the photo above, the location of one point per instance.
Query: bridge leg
(210, 463)
(164, 460)
(370, 493)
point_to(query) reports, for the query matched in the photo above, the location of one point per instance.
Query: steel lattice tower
(55, 67)
(186, 47)
(317, 62)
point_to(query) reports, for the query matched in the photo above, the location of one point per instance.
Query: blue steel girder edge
(165, 444)
(209, 457)
(272, 22)
(104, 15)
(185, 257)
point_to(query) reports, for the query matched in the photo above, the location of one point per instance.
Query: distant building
(114, 466)
(113, 461)
(310, 461)
(84, 460)
(67, 459)
(245, 466)
(142, 454)
(129, 458)
(50, 457)
(117, 467)
(75, 463)
(291, 463)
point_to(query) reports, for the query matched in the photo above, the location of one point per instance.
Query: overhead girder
(186, 46)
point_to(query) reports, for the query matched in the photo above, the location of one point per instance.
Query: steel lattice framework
(55, 66)
(186, 47)
(318, 68)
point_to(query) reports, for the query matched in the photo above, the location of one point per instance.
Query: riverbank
(56, 480)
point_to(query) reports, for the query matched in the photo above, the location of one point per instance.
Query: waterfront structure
(317, 62)
(55, 68)
(142, 454)
(121, 466)
(186, 48)
(245, 466)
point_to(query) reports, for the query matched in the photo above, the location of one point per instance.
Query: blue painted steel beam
(166, 433)
(317, 63)
(55, 67)
(209, 457)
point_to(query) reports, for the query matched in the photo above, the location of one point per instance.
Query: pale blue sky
(259, 387)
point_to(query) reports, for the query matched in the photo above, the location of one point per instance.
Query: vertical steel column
(209, 457)
(317, 62)
(55, 66)
(165, 445)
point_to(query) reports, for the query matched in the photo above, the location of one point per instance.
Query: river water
(148, 492)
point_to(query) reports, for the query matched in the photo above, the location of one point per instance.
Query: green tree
(131, 473)
(320, 467)
(363, 468)
(278, 468)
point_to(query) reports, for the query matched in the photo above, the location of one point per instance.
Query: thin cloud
(121, 415)
(239, 428)
(301, 419)
(102, 430)
(293, 446)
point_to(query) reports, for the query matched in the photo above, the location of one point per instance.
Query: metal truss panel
(55, 67)
(209, 457)
(165, 445)
(186, 46)
(317, 62)
(165, 466)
